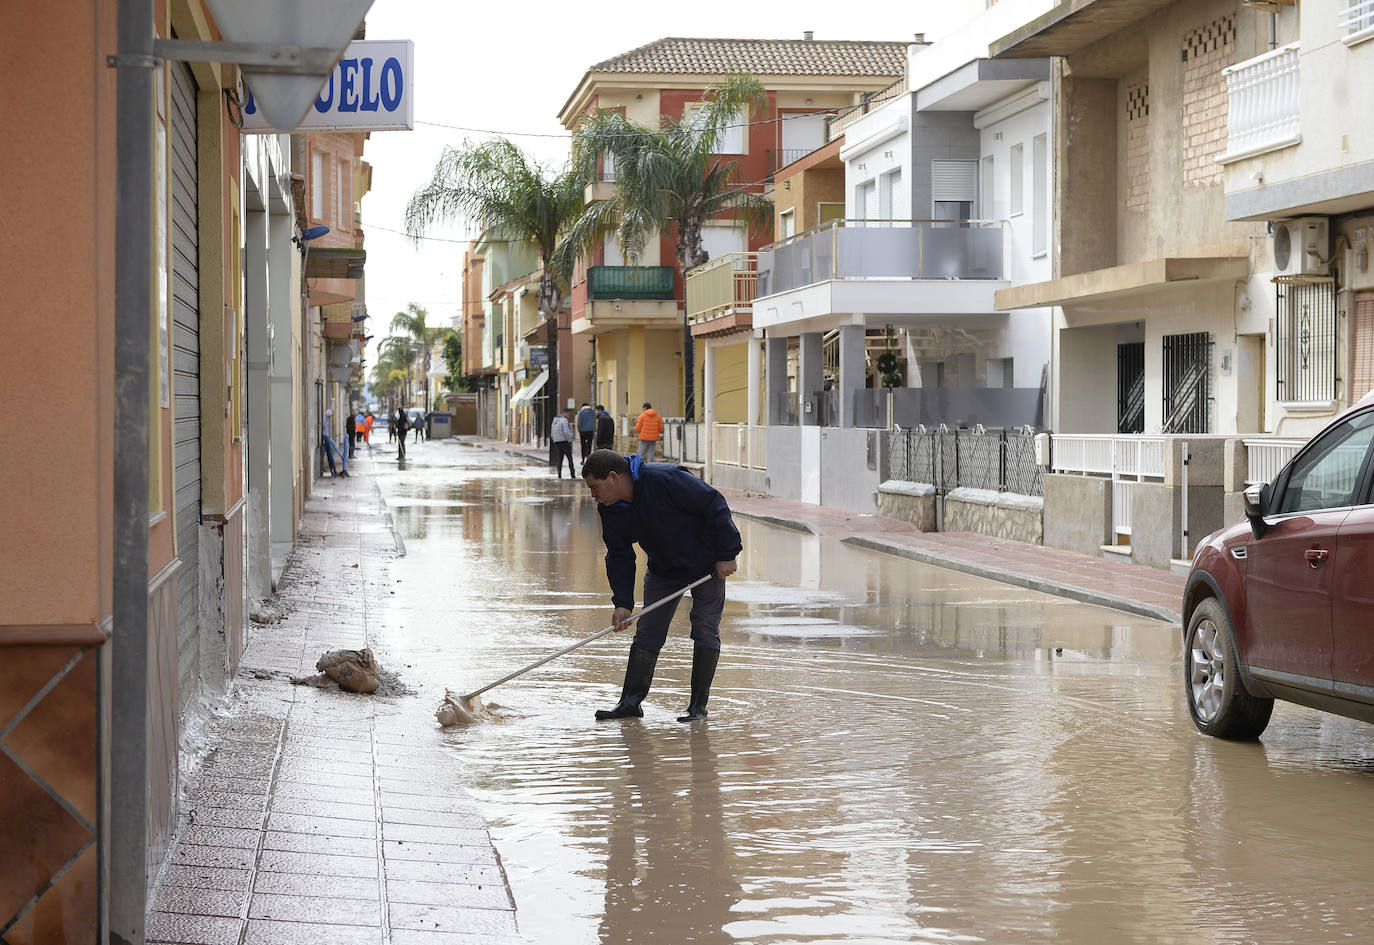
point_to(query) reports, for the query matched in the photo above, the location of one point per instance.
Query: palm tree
(413, 323)
(497, 185)
(669, 176)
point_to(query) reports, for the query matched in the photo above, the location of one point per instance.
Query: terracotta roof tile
(762, 57)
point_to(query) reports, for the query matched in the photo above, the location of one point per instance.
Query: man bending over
(685, 527)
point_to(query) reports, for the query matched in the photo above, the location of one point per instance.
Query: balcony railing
(884, 249)
(1263, 114)
(779, 158)
(1266, 457)
(721, 286)
(1126, 459)
(1357, 19)
(629, 283)
(837, 123)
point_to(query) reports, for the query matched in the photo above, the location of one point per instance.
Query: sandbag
(353, 670)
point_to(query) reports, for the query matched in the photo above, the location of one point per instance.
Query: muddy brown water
(895, 753)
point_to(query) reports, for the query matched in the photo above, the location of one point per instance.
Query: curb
(1045, 586)
(796, 525)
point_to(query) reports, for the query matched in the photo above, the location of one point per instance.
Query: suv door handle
(1316, 556)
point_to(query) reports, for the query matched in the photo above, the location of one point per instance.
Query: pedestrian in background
(417, 423)
(605, 428)
(368, 421)
(561, 438)
(331, 448)
(401, 423)
(586, 428)
(649, 429)
(686, 530)
(351, 432)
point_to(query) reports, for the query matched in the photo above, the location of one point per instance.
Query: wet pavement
(896, 752)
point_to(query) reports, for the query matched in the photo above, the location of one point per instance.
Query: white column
(258, 436)
(280, 290)
(811, 378)
(708, 412)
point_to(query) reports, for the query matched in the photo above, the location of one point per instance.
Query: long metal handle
(595, 636)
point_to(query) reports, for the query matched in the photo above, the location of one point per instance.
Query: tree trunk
(688, 256)
(550, 301)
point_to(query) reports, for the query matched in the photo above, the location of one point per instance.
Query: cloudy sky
(507, 67)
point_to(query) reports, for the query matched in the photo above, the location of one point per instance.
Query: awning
(1121, 281)
(1070, 26)
(526, 394)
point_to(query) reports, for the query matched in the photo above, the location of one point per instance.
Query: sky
(506, 68)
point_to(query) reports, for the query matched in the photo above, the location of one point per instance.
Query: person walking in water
(331, 449)
(605, 429)
(586, 428)
(649, 429)
(561, 437)
(685, 527)
(401, 425)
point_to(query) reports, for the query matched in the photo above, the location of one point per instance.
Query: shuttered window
(1362, 344)
(1017, 189)
(954, 181)
(1040, 199)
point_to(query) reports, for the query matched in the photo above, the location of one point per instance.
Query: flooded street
(895, 753)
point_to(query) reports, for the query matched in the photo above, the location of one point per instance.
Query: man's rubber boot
(639, 676)
(704, 660)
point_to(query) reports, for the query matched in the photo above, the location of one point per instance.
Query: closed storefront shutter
(1362, 344)
(186, 370)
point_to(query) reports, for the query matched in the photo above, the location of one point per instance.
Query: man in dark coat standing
(605, 429)
(686, 529)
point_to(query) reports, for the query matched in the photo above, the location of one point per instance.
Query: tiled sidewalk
(1148, 592)
(320, 816)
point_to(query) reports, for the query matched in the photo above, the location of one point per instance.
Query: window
(866, 201)
(954, 189)
(987, 208)
(1040, 173)
(1325, 475)
(338, 194)
(1018, 180)
(317, 186)
(1305, 349)
(732, 135)
(891, 196)
(1187, 382)
(1000, 373)
(787, 224)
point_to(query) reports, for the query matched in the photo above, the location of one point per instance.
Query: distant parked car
(1281, 605)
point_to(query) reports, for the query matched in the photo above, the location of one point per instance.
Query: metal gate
(1130, 387)
(185, 222)
(1187, 383)
(1306, 344)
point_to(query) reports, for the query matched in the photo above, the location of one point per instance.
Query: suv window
(1326, 474)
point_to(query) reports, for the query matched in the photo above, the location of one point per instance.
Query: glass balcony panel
(879, 252)
(629, 283)
(961, 253)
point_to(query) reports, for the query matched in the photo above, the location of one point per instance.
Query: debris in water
(460, 710)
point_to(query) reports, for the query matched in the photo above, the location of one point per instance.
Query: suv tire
(1217, 699)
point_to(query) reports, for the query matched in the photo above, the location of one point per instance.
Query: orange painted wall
(57, 161)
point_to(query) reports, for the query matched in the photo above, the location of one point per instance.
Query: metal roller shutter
(1362, 344)
(186, 371)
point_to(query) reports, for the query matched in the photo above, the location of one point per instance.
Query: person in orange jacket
(649, 428)
(367, 428)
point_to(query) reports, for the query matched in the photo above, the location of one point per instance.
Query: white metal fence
(739, 444)
(684, 441)
(1128, 460)
(1264, 458)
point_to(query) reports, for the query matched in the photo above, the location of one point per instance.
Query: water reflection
(896, 753)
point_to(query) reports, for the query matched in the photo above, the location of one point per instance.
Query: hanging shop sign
(370, 89)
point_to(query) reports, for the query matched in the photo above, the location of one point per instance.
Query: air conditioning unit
(1300, 247)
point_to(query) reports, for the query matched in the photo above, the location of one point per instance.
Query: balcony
(882, 267)
(629, 283)
(603, 188)
(1357, 19)
(622, 296)
(1263, 114)
(720, 294)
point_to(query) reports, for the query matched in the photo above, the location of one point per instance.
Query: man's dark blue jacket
(681, 522)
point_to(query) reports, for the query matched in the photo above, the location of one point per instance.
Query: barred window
(1305, 346)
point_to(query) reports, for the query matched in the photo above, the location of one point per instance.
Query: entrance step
(1180, 565)
(1120, 553)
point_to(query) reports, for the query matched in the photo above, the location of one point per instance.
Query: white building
(946, 201)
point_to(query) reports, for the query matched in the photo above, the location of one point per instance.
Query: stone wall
(999, 514)
(909, 502)
(1078, 512)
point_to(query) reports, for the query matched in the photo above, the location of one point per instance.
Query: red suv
(1281, 606)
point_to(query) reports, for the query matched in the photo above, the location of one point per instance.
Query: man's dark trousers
(586, 444)
(708, 603)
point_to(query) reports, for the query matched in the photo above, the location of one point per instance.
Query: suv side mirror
(1256, 500)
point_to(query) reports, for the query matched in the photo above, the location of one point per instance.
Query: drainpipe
(1273, 31)
(127, 856)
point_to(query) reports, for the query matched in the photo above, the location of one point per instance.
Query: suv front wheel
(1217, 699)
